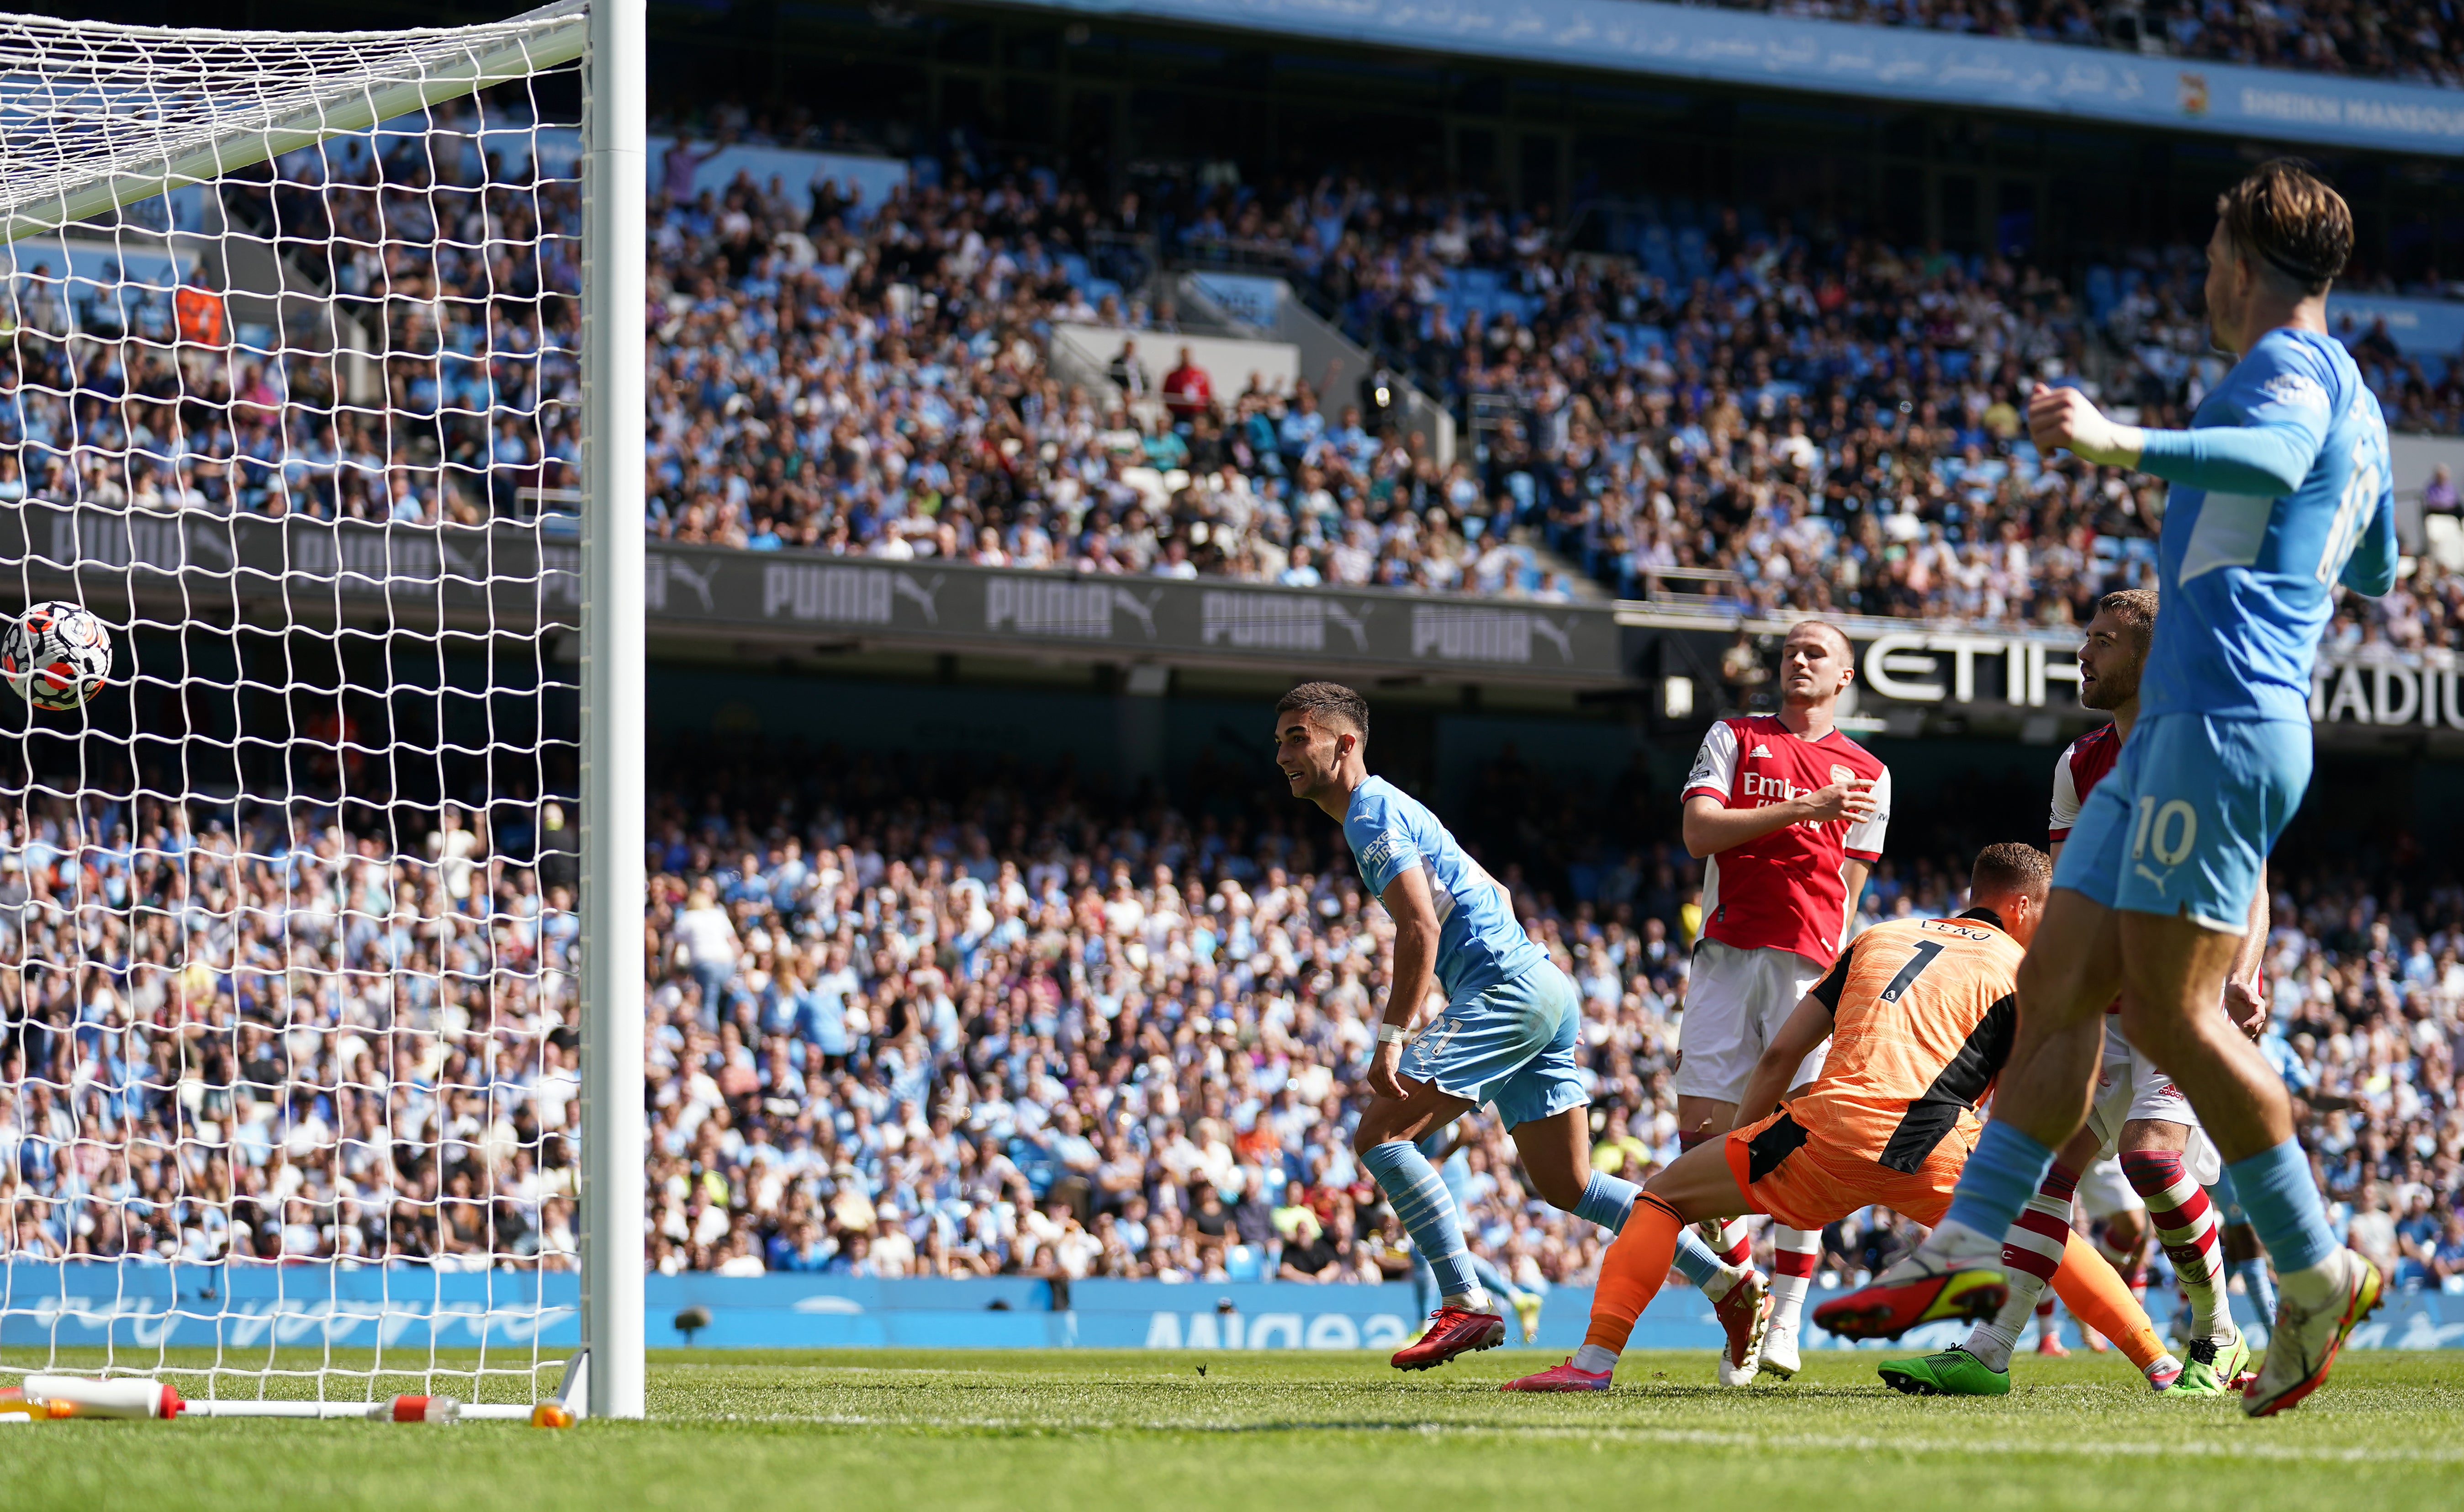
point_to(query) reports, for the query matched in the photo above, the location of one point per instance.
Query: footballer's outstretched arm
(2269, 459)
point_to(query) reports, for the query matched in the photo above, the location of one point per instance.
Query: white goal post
(321, 996)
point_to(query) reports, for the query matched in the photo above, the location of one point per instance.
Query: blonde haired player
(1786, 814)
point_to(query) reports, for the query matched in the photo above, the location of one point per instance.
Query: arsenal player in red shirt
(1786, 814)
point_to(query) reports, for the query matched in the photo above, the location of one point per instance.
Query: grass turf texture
(1082, 1430)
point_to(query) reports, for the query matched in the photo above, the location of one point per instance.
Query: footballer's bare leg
(1421, 1109)
(2070, 974)
(1704, 1118)
(2173, 976)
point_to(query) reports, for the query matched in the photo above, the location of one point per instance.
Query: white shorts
(2103, 1191)
(1735, 1001)
(2128, 1086)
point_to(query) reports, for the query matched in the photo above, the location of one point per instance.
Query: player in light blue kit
(1507, 1037)
(2280, 493)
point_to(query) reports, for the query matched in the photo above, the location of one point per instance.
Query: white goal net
(293, 399)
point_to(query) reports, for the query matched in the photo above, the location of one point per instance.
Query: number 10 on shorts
(2172, 829)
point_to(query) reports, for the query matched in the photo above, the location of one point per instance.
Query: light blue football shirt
(2281, 489)
(1479, 942)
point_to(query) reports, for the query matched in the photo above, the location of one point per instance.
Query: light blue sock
(1424, 1284)
(1606, 1200)
(1695, 1259)
(2282, 1201)
(2001, 1176)
(2226, 1198)
(1493, 1279)
(1427, 1212)
(2261, 1287)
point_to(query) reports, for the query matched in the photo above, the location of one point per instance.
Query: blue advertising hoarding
(1840, 58)
(143, 1306)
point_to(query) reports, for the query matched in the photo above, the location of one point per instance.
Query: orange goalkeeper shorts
(1806, 1180)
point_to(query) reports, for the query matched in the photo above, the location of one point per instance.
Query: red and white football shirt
(1785, 891)
(2081, 768)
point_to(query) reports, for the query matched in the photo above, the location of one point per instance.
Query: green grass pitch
(1083, 1431)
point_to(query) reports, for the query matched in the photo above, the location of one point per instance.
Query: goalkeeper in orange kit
(1920, 1015)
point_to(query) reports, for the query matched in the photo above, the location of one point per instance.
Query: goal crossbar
(87, 123)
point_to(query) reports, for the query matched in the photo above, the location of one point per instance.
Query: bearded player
(1786, 814)
(1505, 1039)
(1919, 1013)
(2166, 1160)
(2280, 493)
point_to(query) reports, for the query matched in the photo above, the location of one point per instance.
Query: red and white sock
(1794, 1253)
(2131, 1263)
(2031, 1251)
(2186, 1224)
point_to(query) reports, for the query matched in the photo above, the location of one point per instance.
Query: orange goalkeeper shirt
(1923, 1013)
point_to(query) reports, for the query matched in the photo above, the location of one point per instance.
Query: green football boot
(2214, 1368)
(1946, 1372)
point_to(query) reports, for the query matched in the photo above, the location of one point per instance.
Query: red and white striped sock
(2031, 1251)
(2186, 1224)
(1794, 1253)
(2131, 1264)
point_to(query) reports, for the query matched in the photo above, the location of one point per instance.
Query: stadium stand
(1780, 417)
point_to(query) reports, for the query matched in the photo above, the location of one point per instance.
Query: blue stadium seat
(2102, 295)
(1693, 253)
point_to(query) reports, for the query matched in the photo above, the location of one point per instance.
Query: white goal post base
(143, 1398)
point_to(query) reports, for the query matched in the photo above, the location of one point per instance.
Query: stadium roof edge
(1919, 67)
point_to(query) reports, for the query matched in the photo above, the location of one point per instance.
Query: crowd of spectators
(920, 1020)
(250, 1036)
(2420, 43)
(919, 1017)
(1823, 425)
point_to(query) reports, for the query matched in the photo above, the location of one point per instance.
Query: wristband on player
(1392, 1033)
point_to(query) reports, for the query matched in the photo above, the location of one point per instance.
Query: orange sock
(1632, 1271)
(2097, 1296)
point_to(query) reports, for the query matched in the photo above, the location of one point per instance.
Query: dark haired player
(1507, 1037)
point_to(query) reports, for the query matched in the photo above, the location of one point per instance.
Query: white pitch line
(1704, 1438)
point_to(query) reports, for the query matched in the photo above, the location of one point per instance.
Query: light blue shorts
(2186, 818)
(1511, 1046)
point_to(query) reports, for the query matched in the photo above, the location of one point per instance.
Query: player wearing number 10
(2280, 493)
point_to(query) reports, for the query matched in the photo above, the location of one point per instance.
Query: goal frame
(610, 38)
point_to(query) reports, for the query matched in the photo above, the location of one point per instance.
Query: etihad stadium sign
(1908, 670)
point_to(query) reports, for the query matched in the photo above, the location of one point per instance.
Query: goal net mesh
(290, 398)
